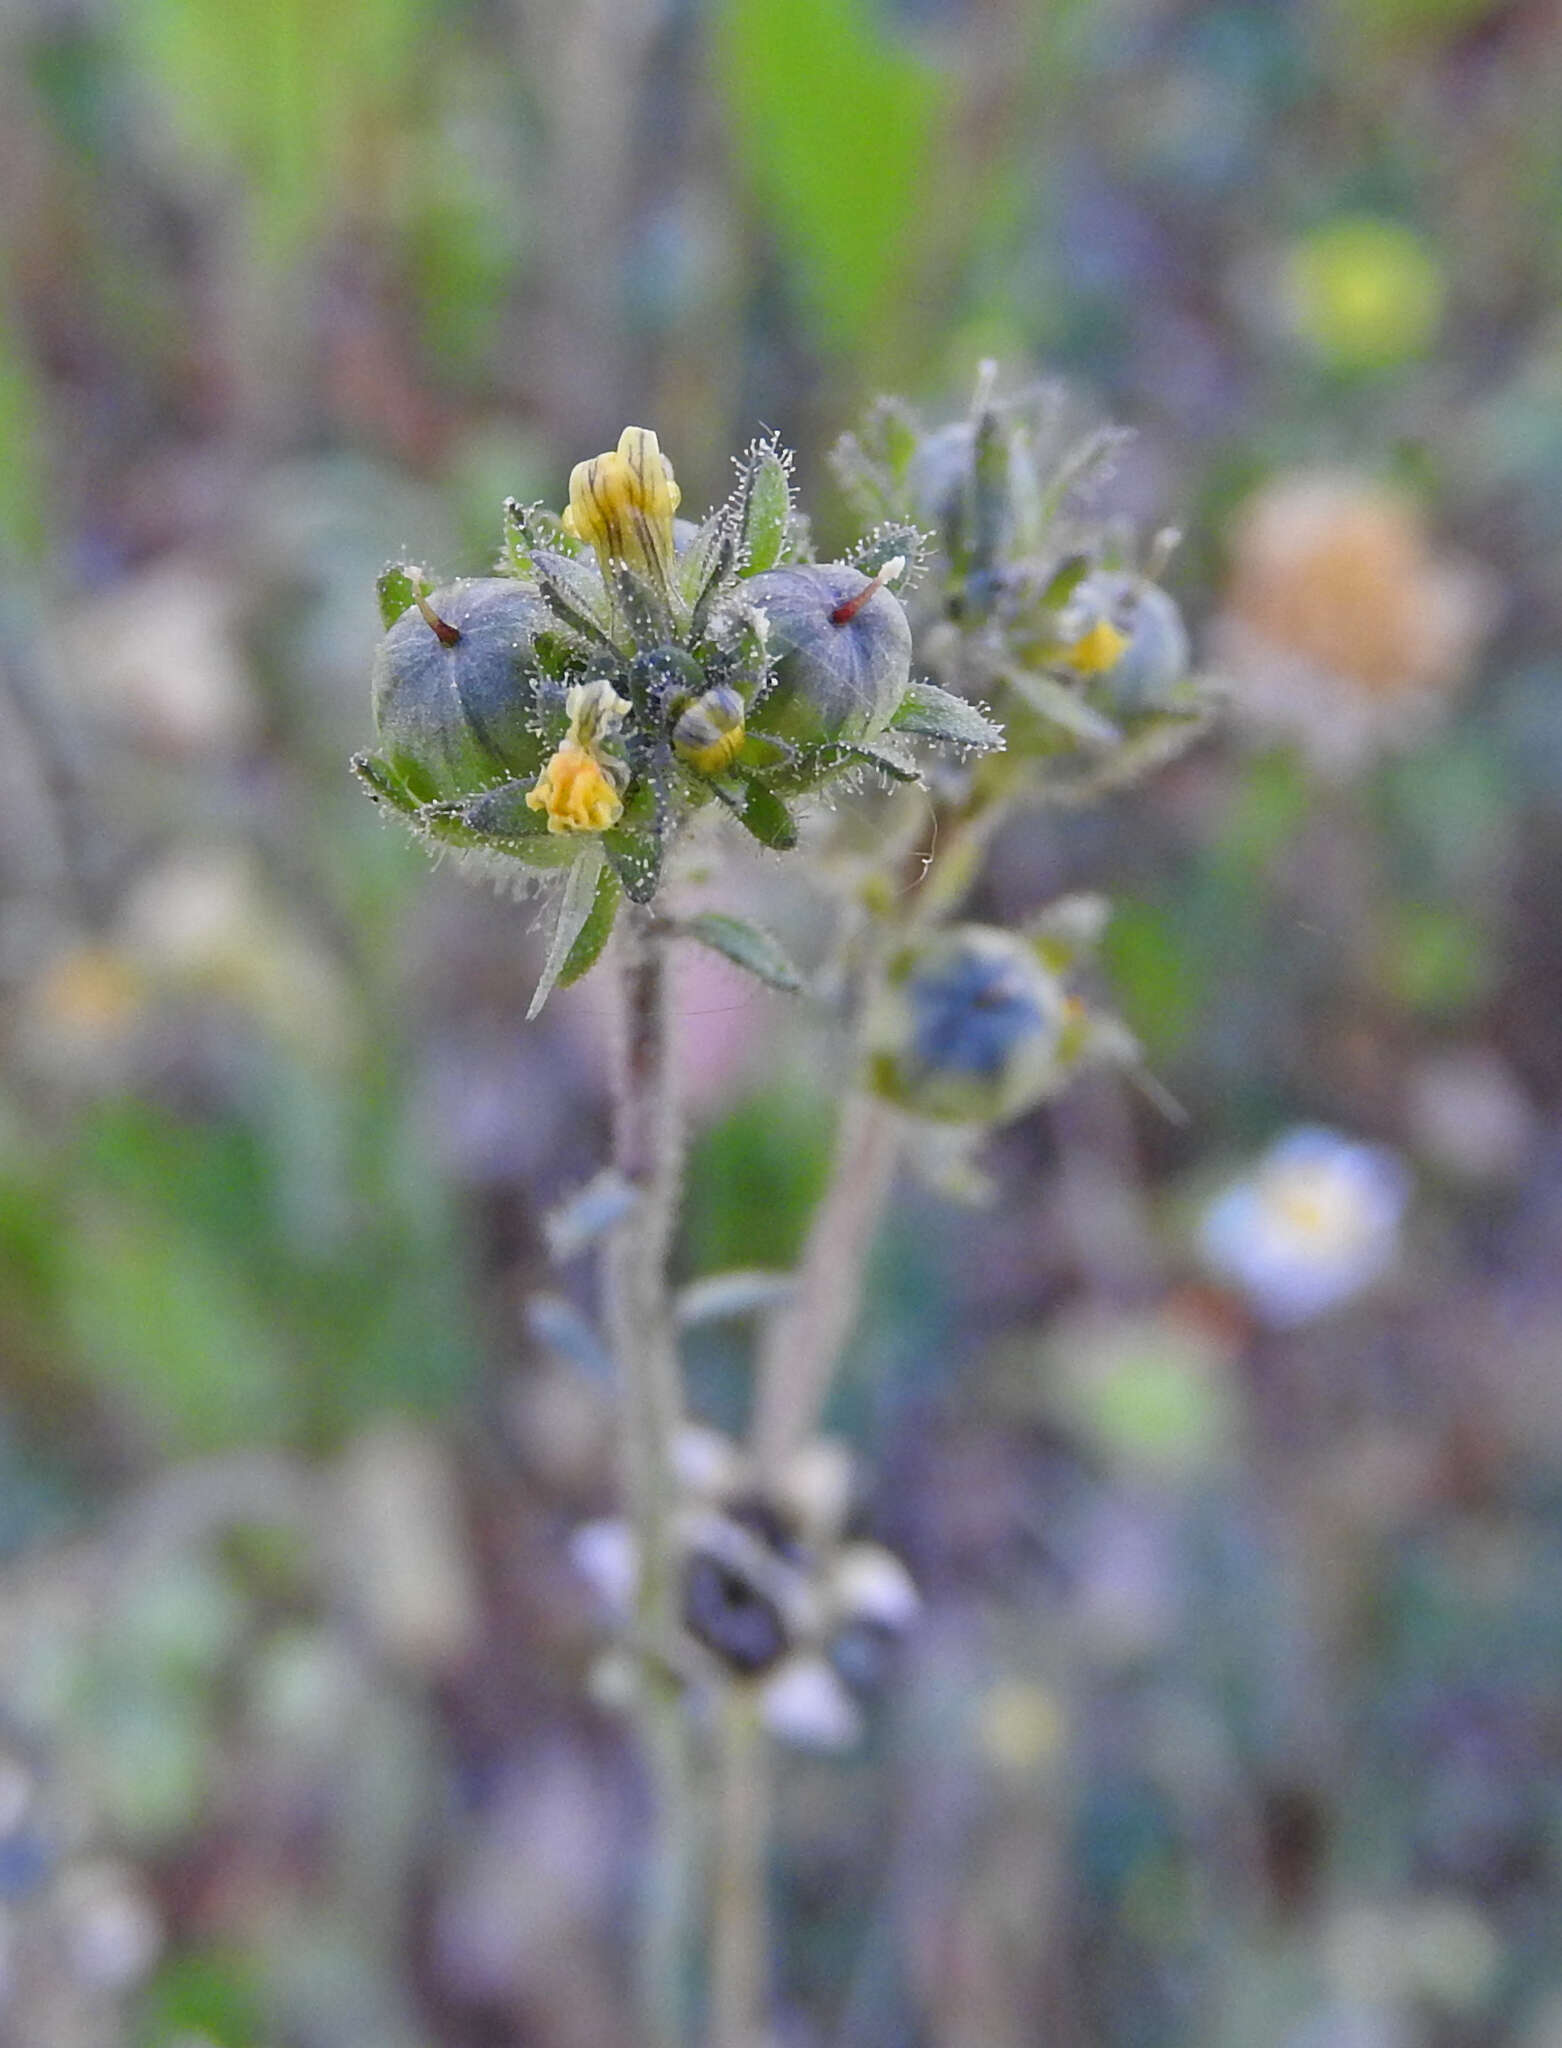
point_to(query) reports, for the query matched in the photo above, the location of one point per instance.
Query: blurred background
(1232, 1476)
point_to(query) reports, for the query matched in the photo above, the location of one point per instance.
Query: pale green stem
(803, 1343)
(648, 1152)
(740, 1939)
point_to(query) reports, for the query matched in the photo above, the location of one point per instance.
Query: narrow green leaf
(576, 903)
(1056, 701)
(596, 930)
(745, 945)
(382, 783)
(937, 714)
(767, 508)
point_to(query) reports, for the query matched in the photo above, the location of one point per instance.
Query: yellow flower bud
(709, 733)
(623, 503)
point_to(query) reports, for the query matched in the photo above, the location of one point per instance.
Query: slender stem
(802, 1345)
(739, 1921)
(648, 1152)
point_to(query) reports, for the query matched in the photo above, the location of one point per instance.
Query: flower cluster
(974, 1024)
(625, 669)
(1029, 605)
(771, 1595)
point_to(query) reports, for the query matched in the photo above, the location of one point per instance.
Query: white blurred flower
(1315, 1222)
(767, 1584)
(804, 1702)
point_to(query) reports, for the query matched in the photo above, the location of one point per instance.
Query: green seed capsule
(841, 647)
(455, 686)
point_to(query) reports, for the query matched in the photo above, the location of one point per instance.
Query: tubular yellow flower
(623, 503)
(577, 789)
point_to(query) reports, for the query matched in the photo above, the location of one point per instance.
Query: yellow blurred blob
(623, 503)
(88, 993)
(1364, 292)
(1020, 1727)
(1093, 653)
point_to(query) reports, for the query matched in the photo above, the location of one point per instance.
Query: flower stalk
(648, 1153)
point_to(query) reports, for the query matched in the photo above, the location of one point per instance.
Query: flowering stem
(648, 1152)
(739, 1921)
(803, 1344)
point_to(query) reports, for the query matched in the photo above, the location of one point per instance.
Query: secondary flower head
(578, 789)
(1315, 1223)
(773, 1594)
(623, 502)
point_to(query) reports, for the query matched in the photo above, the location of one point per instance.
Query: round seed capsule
(455, 686)
(842, 652)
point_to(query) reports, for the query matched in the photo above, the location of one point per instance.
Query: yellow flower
(623, 504)
(577, 789)
(1096, 651)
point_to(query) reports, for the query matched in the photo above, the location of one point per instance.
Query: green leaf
(760, 751)
(594, 933)
(399, 587)
(837, 127)
(767, 508)
(1064, 581)
(576, 903)
(1057, 702)
(745, 945)
(383, 783)
(637, 860)
(935, 714)
(163, 1324)
(528, 528)
(768, 818)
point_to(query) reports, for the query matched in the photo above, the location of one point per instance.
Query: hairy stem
(648, 1152)
(739, 1922)
(803, 1344)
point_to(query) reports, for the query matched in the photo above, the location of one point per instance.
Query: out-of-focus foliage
(1231, 1716)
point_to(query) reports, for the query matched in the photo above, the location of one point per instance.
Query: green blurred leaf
(755, 1177)
(745, 945)
(836, 127)
(1154, 981)
(171, 1331)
